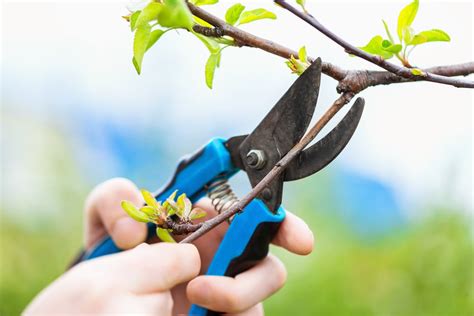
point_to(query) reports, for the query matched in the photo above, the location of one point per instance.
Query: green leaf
(211, 44)
(164, 235)
(154, 37)
(175, 13)
(417, 72)
(387, 31)
(149, 13)
(197, 213)
(375, 47)
(187, 208)
(140, 45)
(181, 204)
(149, 199)
(393, 48)
(204, 2)
(148, 210)
(233, 13)
(406, 17)
(407, 34)
(302, 54)
(133, 19)
(302, 3)
(211, 65)
(135, 64)
(433, 35)
(296, 65)
(257, 14)
(202, 22)
(134, 213)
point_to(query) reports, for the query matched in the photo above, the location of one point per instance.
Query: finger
(149, 304)
(233, 295)
(256, 310)
(104, 214)
(294, 235)
(156, 267)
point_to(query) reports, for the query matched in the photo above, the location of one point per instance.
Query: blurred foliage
(33, 258)
(426, 269)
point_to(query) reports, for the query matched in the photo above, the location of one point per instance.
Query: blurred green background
(392, 215)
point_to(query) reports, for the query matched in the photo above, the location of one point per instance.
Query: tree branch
(350, 80)
(277, 170)
(351, 49)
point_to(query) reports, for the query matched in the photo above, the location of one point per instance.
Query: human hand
(241, 294)
(134, 281)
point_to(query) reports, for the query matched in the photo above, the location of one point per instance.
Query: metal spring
(221, 195)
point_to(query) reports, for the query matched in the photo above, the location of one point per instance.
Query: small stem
(243, 38)
(351, 49)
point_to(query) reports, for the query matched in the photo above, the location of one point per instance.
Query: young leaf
(233, 13)
(149, 13)
(211, 65)
(204, 2)
(134, 213)
(393, 48)
(175, 13)
(296, 66)
(154, 37)
(433, 35)
(375, 47)
(164, 235)
(406, 17)
(302, 54)
(302, 3)
(407, 34)
(202, 22)
(140, 44)
(257, 14)
(149, 199)
(180, 203)
(389, 35)
(417, 72)
(133, 19)
(169, 204)
(211, 44)
(187, 208)
(148, 210)
(197, 213)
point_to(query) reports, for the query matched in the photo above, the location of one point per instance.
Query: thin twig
(351, 49)
(352, 82)
(277, 170)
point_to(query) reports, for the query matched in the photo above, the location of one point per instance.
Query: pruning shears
(250, 232)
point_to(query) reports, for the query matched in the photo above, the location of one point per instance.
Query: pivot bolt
(256, 159)
(267, 194)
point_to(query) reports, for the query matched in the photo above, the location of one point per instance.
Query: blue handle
(191, 177)
(245, 243)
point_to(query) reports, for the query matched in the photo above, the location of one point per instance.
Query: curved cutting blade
(323, 152)
(281, 129)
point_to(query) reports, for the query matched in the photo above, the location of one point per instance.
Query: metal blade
(288, 120)
(327, 149)
(280, 130)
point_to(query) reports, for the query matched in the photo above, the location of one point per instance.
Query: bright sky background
(62, 58)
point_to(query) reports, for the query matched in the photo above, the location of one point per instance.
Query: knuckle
(111, 187)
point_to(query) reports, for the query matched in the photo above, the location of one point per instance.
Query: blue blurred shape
(368, 205)
(118, 148)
